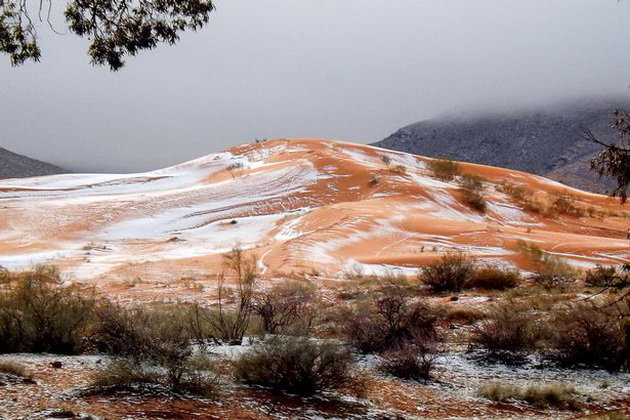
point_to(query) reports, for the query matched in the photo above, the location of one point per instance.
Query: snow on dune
(308, 203)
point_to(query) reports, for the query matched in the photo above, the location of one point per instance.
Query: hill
(300, 206)
(13, 165)
(544, 141)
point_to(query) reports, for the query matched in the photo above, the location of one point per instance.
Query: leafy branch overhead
(614, 159)
(115, 28)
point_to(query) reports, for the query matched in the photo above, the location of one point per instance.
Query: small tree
(229, 326)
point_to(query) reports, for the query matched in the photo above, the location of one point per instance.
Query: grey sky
(349, 69)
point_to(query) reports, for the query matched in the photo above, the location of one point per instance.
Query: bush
(451, 274)
(563, 204)
(554, 395)
(408, 362)
(508, 334)
(493, 278)
(586, 335)
(284, 307)
(389, 322)
(39, 317)
(445, 170)
(472, 189)
(155, 347)
(297, 365)
(601, 277)
(127, 376)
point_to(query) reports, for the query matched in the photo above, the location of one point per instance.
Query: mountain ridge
(14, 165)
(547, 141)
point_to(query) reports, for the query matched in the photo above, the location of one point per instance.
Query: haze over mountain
(13, 165)
(545, 141)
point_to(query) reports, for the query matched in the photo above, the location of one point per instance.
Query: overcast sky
(355, 70)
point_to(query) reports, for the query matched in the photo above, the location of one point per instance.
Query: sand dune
(299, 205)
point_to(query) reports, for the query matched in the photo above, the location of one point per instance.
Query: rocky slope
(546, 141)
(300, 205)
(13, 165)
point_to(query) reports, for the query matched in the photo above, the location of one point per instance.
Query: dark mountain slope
(546, 142)
(13, 165)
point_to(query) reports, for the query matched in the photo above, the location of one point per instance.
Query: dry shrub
(399, 170)
(36, 316)
(296, 365)
(493, 278)
(410, 361)
(285, 308)
(445, 170)
(564, 204)
(464, 314)
(390, 321)
(451, 274)
(553, 395)
(229, 324)
(508, 334)
(586, 335)
(154, 346)
(472, 188)
(602, 276)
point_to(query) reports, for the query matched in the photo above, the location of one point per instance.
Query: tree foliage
(115, 28)
(614, 159)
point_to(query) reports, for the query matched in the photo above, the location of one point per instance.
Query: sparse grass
(443, 169)
(552, 395)
(464, 314)
(14, 369)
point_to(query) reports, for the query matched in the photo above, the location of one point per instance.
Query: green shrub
(36, 316)
(445, 170)
(296, 365)
(451, 274)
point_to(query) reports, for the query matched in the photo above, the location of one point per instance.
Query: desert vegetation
(443, 169)
(290, 339)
